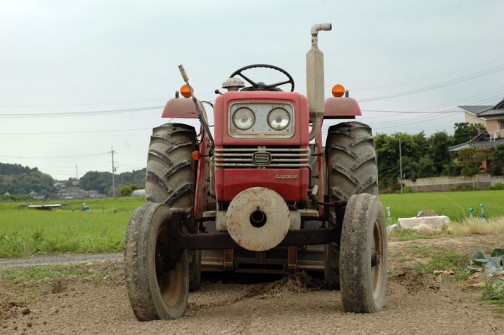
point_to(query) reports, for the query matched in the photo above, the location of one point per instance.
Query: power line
(431, 77)
(72, 156)
(398, 123)
(87, 113)
(54, 157)
(77, 132)
(471, 76)
(408, 112)
(80, 104)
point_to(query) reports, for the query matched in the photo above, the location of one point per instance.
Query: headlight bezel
(236, 121)
(282, 121)
(261, 128)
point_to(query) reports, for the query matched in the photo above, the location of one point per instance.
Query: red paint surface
(180, 108)
(230, 182)
(341, 108)
(201, 188)
(221, 114)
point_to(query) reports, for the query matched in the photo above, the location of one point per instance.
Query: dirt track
(416, 304)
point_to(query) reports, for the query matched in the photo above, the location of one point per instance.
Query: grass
(407, 235)
(455, 205)
(25, 232)
(447, 261)
(493, 291)
(468, 227)
(476, 227)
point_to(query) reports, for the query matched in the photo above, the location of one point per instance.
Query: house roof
(486, 110)
(492, 112)
(476, 109)
(482, 140)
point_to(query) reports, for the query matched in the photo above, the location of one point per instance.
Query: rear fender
(180, 108)
(341, 108)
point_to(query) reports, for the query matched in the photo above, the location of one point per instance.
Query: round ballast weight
(258, 219)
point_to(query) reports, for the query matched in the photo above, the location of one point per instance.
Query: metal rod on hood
(201, 117)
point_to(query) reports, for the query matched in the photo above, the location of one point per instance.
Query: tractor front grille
(262, 157)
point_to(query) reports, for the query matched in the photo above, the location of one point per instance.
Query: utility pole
(113, 174)
(400, 164)
(76, 172)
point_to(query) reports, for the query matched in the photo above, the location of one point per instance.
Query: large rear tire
(158, 287)
(363, 255)
(351, 161)
(351, 169)
(171, 172)
(171, 178)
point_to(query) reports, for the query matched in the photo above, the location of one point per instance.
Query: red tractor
(260, 195)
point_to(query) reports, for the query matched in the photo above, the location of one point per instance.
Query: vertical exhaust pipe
(315, 78)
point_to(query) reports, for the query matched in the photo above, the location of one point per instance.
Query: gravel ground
(416, 303)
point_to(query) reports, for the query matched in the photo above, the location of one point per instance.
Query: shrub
(407, 189)
(126, 191)
(497, 187)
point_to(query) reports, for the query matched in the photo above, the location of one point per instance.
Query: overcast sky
(80, 77)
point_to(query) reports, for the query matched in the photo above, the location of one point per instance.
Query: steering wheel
(257, 86)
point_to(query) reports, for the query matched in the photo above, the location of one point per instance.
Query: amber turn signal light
(185, 90)
(195, 155)
(338, 90)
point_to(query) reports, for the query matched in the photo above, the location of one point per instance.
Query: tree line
(423, 157)
(102, 181)
(16, 179)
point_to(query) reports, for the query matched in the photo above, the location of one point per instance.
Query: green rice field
(25, 232)
(455, 205)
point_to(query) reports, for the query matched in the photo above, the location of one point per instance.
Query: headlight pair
(278, 118)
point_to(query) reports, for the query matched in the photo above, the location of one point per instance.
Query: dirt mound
(300, 282)
(415, 282)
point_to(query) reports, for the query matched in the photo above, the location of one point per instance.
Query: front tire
(158, 287)
(363, 255)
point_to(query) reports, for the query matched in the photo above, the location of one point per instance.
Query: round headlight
(278, 118)
(243, 118)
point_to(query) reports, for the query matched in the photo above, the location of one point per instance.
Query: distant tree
(21, 180)
(426, 167)
(471, 158)
(422, 143)
(465, 131)
(102, 181)
(439, 144)
(70, 182)
(413, 147)
(98, 181)
(497, 157)
(387, 158)
(15, 169)
(410, 168)
(126, 191)
(451, 168)
(134, 179)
